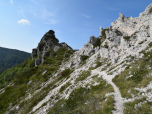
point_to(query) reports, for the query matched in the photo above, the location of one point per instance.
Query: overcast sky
(24, 22)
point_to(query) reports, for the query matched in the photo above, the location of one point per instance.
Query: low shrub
(127, 38)
(138, 74)
(78, 95)
(150, 44)
(106, 46)
(65, 73)
(84, 57)
(98, 43)
(103, 33)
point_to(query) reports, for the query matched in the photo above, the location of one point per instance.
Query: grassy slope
(81, 100)
(23, 73)
(140, 70)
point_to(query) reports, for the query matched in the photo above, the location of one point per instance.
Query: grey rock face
(49, 42)
(34, 53)
(48, 35)
(104, 53)
(63, 44)
(44, 54)
(91, 52)
(148, 9)
(37, 61)
(56, 48)
(113, 37)
(121, 17)
(92, 40)
(78, 61)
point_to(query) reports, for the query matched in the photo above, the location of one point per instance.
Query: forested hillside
(11, 57)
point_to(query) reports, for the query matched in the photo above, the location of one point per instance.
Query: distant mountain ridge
(11, 57)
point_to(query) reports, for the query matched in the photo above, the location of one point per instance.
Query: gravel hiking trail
(118, 104)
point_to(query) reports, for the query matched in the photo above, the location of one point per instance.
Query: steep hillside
(11, 57)
(110, 74)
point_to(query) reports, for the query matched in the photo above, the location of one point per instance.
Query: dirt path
(117, 95)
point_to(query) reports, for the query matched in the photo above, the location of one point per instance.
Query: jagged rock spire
(48, 41)
(121, 17)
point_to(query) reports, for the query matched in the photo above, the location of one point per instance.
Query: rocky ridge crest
(127, 36)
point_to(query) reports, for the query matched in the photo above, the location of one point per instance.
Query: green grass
(76, 103)
(6, 98)
(84, 57)
(150, 44)
(65, 73)
(9, 75)
(98, 65)
(83, 76)
(107, 106)
(105, 68)
(64, 87)
(140, 71)
(144, 109)
(21, 74)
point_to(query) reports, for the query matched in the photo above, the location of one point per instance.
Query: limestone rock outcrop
(115, 42)
(127, 36)
(48, 42)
